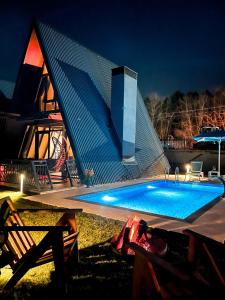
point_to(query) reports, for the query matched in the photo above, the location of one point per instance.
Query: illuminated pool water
(176, 200)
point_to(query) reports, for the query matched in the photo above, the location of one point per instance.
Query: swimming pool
(163, 197)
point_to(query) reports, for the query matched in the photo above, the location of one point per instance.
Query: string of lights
(211, 109)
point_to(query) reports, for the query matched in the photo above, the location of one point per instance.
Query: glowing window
(34, 55)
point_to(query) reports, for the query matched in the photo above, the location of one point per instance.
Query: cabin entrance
(50, 144)
(48, 141)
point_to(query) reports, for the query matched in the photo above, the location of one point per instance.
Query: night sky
(172, 44)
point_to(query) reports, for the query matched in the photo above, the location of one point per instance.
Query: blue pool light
(168, 193)
(151, 187)
(109, 198)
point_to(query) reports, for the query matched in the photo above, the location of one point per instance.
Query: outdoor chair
(213, 173)
(19, 250)
(195, 170)
(184, 272)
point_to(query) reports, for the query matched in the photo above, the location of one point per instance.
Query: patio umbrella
(212, 136)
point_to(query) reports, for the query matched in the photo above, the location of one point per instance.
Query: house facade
(72, 103)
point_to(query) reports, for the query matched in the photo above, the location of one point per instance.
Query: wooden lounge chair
(21, 253)
(175, 276)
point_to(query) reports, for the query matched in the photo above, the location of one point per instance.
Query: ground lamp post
(21, 183)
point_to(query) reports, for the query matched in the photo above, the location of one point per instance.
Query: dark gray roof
(82, 80)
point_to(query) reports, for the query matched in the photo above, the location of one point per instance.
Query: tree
(158, 109)
(183, 116)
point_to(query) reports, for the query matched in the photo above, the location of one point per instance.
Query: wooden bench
(20, 251)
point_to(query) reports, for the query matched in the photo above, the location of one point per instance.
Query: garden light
(21, 183)
(188, 167)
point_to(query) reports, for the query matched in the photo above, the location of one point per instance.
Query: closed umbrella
(212, 136)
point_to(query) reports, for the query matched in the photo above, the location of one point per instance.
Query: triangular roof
(82, 82)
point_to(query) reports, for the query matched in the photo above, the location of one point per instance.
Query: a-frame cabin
(76, 104)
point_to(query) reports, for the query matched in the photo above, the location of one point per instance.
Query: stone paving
(211, 223)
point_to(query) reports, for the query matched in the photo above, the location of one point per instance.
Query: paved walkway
(211, 223)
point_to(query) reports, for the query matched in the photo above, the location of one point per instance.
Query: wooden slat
(29, 240)
(22, 235)
(20, 222)
(145, 277)
(201, 246)
(15, 240)
(213, 265)
(23, 239)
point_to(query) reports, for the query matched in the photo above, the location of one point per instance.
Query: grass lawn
(101, 274)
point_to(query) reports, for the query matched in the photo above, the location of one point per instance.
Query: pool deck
(210, 223)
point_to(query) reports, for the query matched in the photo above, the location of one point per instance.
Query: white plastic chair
(195, 170)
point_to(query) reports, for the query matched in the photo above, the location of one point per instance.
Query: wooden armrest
(68, 218)
(75, 210)
(34, 228)
(203, 238)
